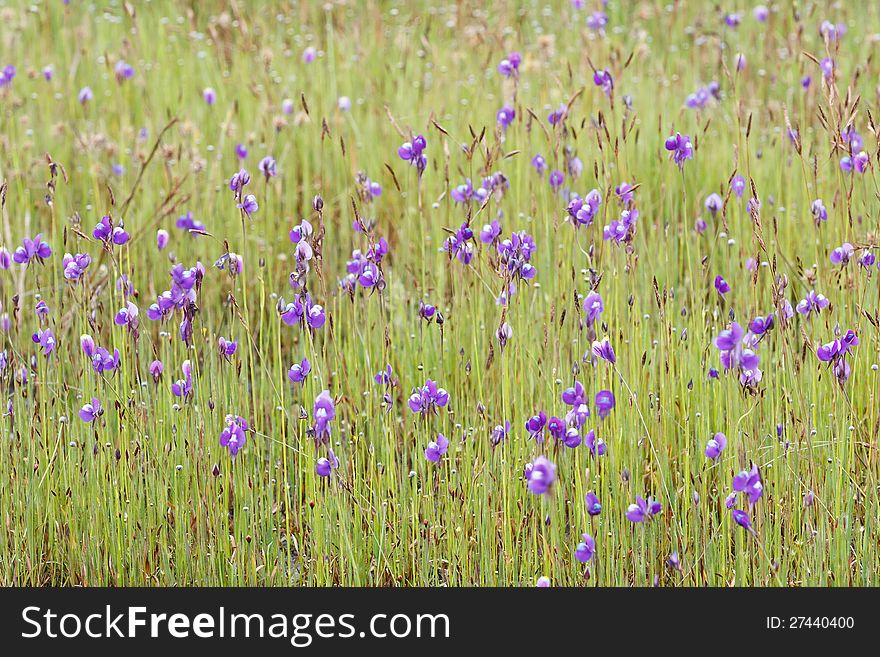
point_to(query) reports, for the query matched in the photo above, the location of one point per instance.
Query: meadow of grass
(146, 495)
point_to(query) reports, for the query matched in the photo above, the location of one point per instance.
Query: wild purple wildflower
(622, 230)
(557, 116)
(183, 387)
(543, 583)
(324, 412)
(594, 507)
(414, 153)
(748, 482)
(123, 71)
(535, 426)
(161, 238)
(209, 95)
(842, 254)
(700, 226)
(299, 371)
(88, 345)
(602, 78)
(309, 55)
(436, 448)
(809, 497)
(460, 245)
(732, 20)
(593, 307)
(835, 353)
(714, 203)
(828, 67)
(597, 21)
(738, 186)
(127, 316)
(812, 303)
(85, 95)
(556, 179)
(504, 334)
(602, 348)
(427, 399)
(736, 353)
(585, 549)
(604, 403)
(516, 252)
(491, 232)
(721, 286)
(5, 258)
(740, 61)
(499, 433)
(156, 368)
(268, 167)
(760, 325)
(867, 260)
(582, 211)
(509, 66)
(226, 347)
(302, 310)
(46, 339)
(324, 466)
(643, 509)
(572, 437)
(596, 446)
(761, 13)
(625, 193)
(234, 435)
(426, 311)
(7, 73)
(680, 149)
(817, 209)
(539, 164)
(540, 475)
(741, 518)
(701, 98)
(858, 163)
(32, 249)
(716, 445)
(75, 266)
(505, 116)
(91, 411)
(188, 223)
(104, 361)
(249, 205)
(556, 428)
(575, 167)
(48, 73)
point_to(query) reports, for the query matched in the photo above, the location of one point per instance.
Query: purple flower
(585, 549)
(491, 232)
(543, 583)
(597, 21)
(427, 399)
(556, 428)
(594, 508)
(156, 369)
(227, 347)
(557, 116)
(161, 238)
(539, 164)
(556, 179)
(597, 447)
(413, 152)
(123, 71)
(680, 148)
(835, 353)
(812, 303)
(303, 310)
(127, 316)
(309, 55)
(183, 387)
(540, 475)
(509, 66)
(267, 167)
(622, 230)
(249, 205)
(85, 95)
(535, 426)
(209, 95)
(325, 466)
(736, 353)
(700, 226)
(499, 433)
(505, 116)
(604, 403)
(625, 193)
(828, 67)
(324, 411)
(642, 509)
(234, 435)
(842, 254)
(721, 286)
(32, 249)
(91, 411)
(602, 349)
(741, 518)
(817, 209)
(716, 445)
(515, 254)
(582, 211)
(867, 260)
(738, 186)
(858, 163)
(749, 484)
(46, 339)
(436, 448)
(714, 203)
(602, 78)
(299, 371)
(761, 13)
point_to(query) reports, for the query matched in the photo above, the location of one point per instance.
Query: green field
(146, 494)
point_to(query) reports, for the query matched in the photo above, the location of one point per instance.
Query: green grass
(75, 513)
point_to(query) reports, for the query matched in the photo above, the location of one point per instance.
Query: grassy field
(181, 96)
